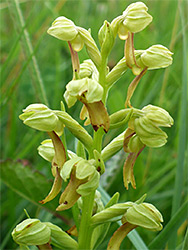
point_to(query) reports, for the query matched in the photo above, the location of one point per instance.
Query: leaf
(25, 181)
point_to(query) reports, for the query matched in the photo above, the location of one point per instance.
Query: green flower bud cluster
(134, 19)
(31, 232)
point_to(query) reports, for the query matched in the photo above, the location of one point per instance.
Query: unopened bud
(63, 29)
(157, 56)
(31, 232)
(136, 17)
(40, 117)
(144, 215)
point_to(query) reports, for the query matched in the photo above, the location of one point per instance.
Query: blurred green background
(36, 67)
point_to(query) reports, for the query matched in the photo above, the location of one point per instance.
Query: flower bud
(155, 57)
(146, 126)
(31, 232)
(63, 29)
(106, 38)
(144, 215)
(136, 17)
(159, 116)
(40, 117)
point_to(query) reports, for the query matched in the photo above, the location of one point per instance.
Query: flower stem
(85, 232)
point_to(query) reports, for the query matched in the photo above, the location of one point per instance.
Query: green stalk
(85, 232)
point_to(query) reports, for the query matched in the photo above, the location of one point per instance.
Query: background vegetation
(35, 67)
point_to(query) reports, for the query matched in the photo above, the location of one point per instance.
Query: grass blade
(30, 49)
(179, 217)
(182, 134)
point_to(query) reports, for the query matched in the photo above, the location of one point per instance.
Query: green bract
(31, 232)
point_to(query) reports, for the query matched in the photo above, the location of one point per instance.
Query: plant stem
(85, 232)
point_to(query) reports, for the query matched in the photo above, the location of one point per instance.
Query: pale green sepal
(67, 168)
(149, 134)
(31, 232)
(84, 169)
(89, 186)
(35, 107)
(77, 43)
(61, 239)
(63, 29)
(70, 100)
(46, 150)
